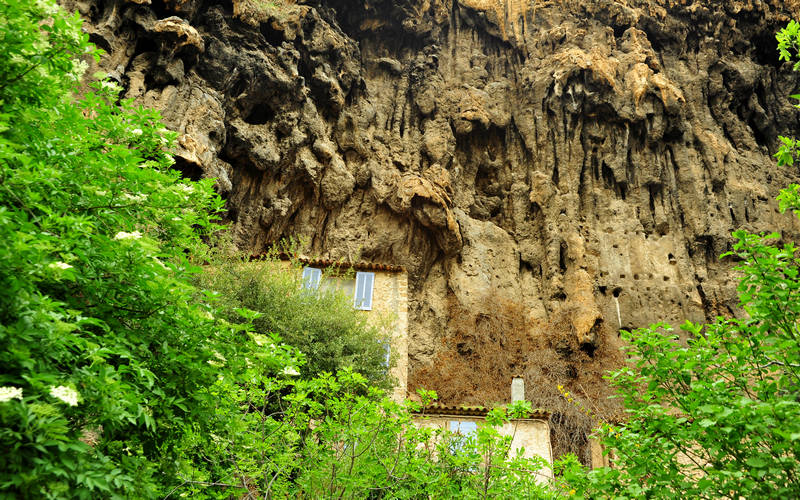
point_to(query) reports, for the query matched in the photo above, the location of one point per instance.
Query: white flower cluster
(186, 188)
(122, 235)
(261, 340)
(133, 197)
(110, 85)
(65, 394)
(290, 371)
(137, 131)
(9, 393)
(59, 265)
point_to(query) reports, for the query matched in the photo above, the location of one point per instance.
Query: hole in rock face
(603, 289)
(101, 42)
(272, 36)
(589, 348)
(260, 114)
(617, 291)
(188, 170)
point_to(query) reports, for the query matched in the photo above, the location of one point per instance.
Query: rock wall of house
(581, 156)
(390, 310)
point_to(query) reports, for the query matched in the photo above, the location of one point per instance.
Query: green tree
(718, 417)
(106, 358)
(323, 325)
(337, 437)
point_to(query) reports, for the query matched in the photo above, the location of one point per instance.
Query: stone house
(381, 292)
(531, 434)
(378, 290)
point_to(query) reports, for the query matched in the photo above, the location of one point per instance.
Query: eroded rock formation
(585, 154)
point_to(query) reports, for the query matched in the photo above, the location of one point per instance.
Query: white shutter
(311, 277)
(363, 295)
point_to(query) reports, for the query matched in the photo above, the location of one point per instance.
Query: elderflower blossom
(122, 235)
(65, 394)
(59, 265)
(137, 131)
(186, 188)
(9, 393)
(290, 371)
(133, 197)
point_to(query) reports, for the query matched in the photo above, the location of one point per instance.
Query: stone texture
(572, 155)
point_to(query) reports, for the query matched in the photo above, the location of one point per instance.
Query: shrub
(106, 357)
(322, 324)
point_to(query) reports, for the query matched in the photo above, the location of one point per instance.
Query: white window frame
(365, 283)
(312, 276)
(463, 431)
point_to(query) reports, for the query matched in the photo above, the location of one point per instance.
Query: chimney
(517, 389)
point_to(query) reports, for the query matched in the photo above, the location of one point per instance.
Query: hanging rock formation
(562, 153)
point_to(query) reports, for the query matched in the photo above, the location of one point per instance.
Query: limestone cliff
(588, 157)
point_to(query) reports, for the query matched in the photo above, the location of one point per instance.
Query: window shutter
(311, 277)
(387, 350)
(363, 295)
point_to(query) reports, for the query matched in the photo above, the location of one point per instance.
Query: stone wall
(390, 302)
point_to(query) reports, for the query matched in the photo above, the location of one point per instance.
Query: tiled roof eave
(328, 263)
(472, 411)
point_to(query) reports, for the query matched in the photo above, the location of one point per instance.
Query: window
(465, 429)
(463, 432)
(311, 277)
(363, 296)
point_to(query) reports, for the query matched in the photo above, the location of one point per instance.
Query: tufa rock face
(569, 155)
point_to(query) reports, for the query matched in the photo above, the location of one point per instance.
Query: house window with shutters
(363, 294)
(311, 278)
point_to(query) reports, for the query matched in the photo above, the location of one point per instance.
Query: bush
(106, 357)
(323, 325)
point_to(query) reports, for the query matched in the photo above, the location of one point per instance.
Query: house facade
(530, 436)
(380, 291)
